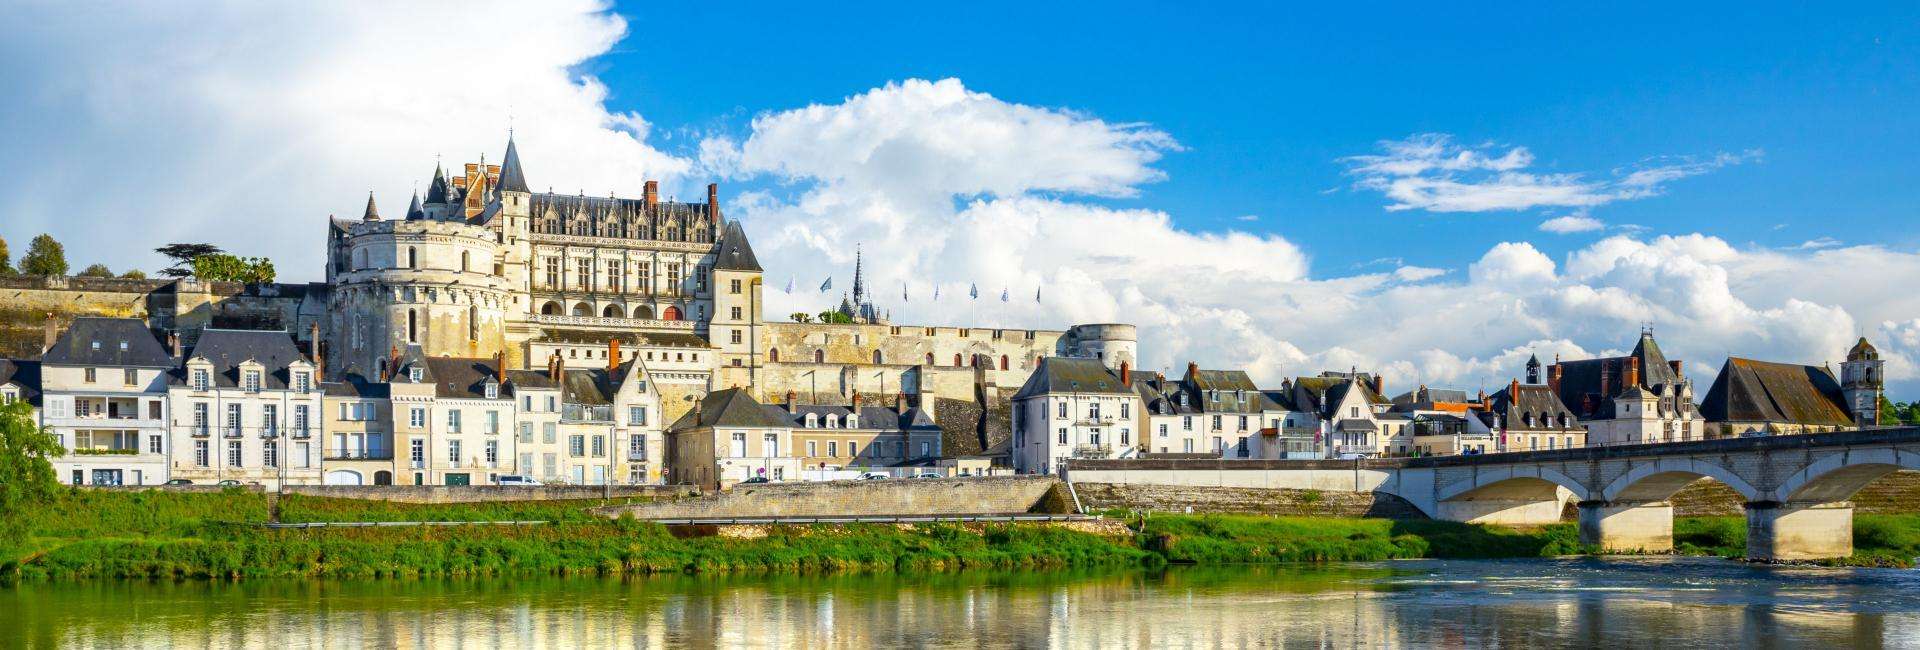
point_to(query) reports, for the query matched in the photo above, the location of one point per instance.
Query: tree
(26, 473)
(221, 267)
(183, 256)
(134, 274)
(831, 316)
(44, 257)
(800, 317)
(97, 271)
(6, 260)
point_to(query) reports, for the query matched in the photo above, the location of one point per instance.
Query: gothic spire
(859, 285)
(373, 214)
(512, 178)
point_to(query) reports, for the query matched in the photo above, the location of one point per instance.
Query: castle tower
(1862, 377)
(1533, 370)
(1114, 344)
(737, 325)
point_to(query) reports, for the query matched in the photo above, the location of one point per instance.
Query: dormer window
(853, 421)
(253, 381)
(813, 421)
(123, 346)
(833, 421)
(492, 390)
(200, 379)
(302, 382)
(414, 375)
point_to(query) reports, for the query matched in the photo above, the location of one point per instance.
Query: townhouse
(246, 407)
(358, 422)
(103, 389)
(835, 437)
(729, 437)
(1072, 408)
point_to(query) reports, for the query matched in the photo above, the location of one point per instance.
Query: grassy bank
(100, 534)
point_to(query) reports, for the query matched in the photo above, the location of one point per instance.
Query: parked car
(928, 475)
(228, 483)
(757, 479)
(872, 476)
(517, 480)
(179, 481)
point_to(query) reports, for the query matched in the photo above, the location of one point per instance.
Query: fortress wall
(187, 306)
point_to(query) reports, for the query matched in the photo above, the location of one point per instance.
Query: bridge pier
(1638, 526)
(1799, 531)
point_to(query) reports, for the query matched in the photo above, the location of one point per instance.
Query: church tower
(1533, 370)
(1861, 380)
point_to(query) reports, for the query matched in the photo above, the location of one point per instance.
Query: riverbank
(100, 534)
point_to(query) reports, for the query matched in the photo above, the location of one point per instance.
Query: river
(1618, 603)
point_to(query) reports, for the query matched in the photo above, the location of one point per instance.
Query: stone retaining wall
(962, 496)
(1291, 502)
(485, 493)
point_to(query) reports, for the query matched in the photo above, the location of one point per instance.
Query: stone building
(1345, 409)
(248, 405)
(729, 437)
(1751, 397)
(103, 386)
(358, 422)
(1530, 416)
(1073, 408)
(1862, 377)
(1638, 398)
(832, 437)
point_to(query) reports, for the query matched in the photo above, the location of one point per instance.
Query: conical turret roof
(414, 211)
(512, 178)
(373, 213)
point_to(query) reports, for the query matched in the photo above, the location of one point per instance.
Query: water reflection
(1636, 602)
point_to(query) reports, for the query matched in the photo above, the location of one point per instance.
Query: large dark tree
(97, 271)
(26, 471)
(44, 257)
(6, 260)
(183, 256)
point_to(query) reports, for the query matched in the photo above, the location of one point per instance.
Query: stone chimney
(652, 194)
(393, 361)
(856, 401)
(52, 334)
(557, 367)
(319, 362)
(1380, 385)
(1192, 369)
(1513, 393)
(1632, 377)
(1676, 367)
(613, 354)
(1126, 374)
(793, 402)
(900, 403)
(173, 344)
(500, 367)
(1483, 396)
(1553, 378)
(313, 341)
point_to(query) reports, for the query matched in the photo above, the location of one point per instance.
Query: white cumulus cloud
(1433, 172)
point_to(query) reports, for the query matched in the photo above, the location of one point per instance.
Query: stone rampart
(997, 495)
(486, 493)
(1289, 502)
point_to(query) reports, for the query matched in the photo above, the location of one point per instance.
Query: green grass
(1216, 539)
(1878, 540)
(296, 508)
(81, 514)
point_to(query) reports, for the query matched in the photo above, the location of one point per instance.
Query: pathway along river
(1616, 603)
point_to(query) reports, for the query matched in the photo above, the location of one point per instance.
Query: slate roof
(274, 350)
(735, 254)
(1588, 386)
(591, 386)
(530, 379)
(459, 378)
(1070, 375)
(731, 407)
(355, 386)
(1432, 395)
(440, 188)
(25, 374)
(871, 417)
(1535, 400)
(1227, 391)
(1748, 390)
(512, 177)
(96, 341)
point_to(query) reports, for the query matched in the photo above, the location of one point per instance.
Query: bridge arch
(1504, 482)
(1659, 480)
(1837, 476)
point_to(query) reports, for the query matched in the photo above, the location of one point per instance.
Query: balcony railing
(636, 456)
(1095, 421)
(359, 454)
(604, 321)
(1093, 451)
(585, 413)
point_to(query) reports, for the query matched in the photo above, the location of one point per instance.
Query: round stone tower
(1113, 344)
(420, 283)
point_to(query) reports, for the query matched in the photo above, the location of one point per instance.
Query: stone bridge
(1796, 487)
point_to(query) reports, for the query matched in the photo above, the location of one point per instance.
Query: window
(493, 422)
(1241, 448)
(130, 376)
(493, 453)
(637, 416)
(1063, 410)
(253, 381)
(90, 371)
(200, 379)
(615, 277)
(413, 258)
(599, 446)
(416, 417)
(233, 453)
(734, 312)
(853, 449)
(270, 419)
(770, 444)
(233, 419)
(1163, 429)
(453, 421)
(300, 420)
(552, 404)
(833, 448)
(734, 336)
(926, 449)
(1216, 423)
(492, 391)
(1186, 423)
(1353, 411)
(1063, 435)
(577, 445)
(1093, 411)
(526, 433)
(1124, 409)
(739, 444)
(549, 432)
(453, 453)
(302, 382)
(700, 278)
(200, 420)
(200, 453)
(552, 266)
(637, 447)
(270, 453)
(819, 356)
(154, 445)
(813, 448)
(418, 453)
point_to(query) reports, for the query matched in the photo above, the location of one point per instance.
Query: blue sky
(1433, 193)
(1265, 100)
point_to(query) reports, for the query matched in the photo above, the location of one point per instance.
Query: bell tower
(1861, 380)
